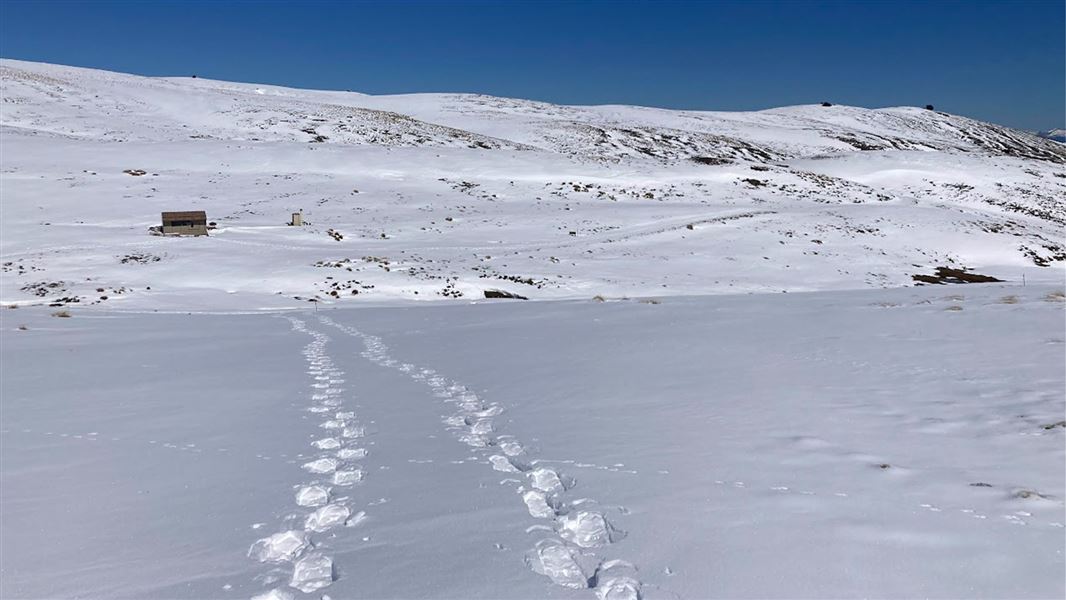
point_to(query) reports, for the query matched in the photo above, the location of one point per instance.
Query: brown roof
(186, 215)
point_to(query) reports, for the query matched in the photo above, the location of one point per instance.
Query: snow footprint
(548, 480)
(539, 504)
(312, 572)
(558, 562)
(327, 517)
(507, 465)
(326, 444)
(321, 466)
(312, 495)
(280, 547)
(589, 529)
(348, 477)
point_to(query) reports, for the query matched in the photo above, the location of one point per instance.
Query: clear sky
(998, 61)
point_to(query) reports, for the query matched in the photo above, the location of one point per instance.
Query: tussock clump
(142, 259)
(1026, 494)
(62, 313)
(1056, 296)
(44, 288)
(1008, 300)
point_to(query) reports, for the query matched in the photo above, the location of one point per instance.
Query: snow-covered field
(856, 444)
(323, 410)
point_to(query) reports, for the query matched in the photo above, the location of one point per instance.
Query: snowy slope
(1059, 135)
(441, 195)
(334, 411)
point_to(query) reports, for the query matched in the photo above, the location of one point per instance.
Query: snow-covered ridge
(1058, 135)
(249, 112)
(435, 196)
(171, 108)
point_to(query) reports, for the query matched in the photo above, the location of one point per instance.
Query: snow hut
(190, 222)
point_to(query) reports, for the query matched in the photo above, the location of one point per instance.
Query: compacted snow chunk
(587, 529)
(560, 563)
(280, 547)
(312, 495)
(275, 594)
(327, 517)
(312, 572)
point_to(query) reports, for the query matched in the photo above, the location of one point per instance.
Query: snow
(335, 410)
(470, 193)
(854, 444)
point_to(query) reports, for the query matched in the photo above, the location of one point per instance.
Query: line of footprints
(333, 469)
(567, 553)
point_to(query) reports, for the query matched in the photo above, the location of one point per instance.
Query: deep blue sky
(998, 61)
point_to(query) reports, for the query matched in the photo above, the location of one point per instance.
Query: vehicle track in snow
(298, 547)
(576, 534)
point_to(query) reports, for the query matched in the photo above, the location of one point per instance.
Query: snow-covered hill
(438, 196)
(1059, 135)
(320, 411)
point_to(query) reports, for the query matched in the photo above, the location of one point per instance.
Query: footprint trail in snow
(576, 533)
(299, 554)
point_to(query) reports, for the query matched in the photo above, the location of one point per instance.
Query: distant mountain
(1059, 135)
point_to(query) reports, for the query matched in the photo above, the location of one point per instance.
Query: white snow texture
(726, 383)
